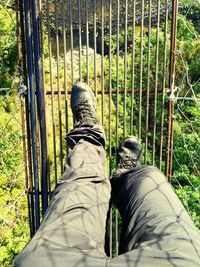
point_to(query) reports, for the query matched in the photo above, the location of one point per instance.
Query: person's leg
(157, 230)
(73, 229)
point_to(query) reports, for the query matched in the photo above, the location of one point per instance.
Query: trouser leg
(73, 229)
(157, 230)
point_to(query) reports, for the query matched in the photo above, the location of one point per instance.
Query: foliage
(191, 11)
(13, 203)
(8, 47)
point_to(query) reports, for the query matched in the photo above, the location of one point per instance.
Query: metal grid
(125, 50)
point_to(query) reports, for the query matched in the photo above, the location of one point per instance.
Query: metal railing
(125, 50)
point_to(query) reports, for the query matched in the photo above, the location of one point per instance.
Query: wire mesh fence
(185, 150)
(123, 50)
(14, 227)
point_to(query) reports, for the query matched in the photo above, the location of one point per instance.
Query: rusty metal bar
(41, 46)
(72, 40)
(133, 66)
(125, 67)
(141, 70)
(95, 45)
(102, 61)
(65, 70)
(148, 82)
(87, 41)
(117, 116)
(114, 91)
(80, 41)
(172, 78)
(42, 56)
(29, 199)
(168, 166)
(117, 79)
(164, 82)
(52, 94)
(156, 83)
(58, 85)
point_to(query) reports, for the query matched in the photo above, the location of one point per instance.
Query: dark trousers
(156, 231)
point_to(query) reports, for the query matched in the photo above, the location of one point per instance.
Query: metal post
(171, 86)
(31, 93)
(22, 99)
(28, 139)
(148, 82)
(164, 82)
(40, 106)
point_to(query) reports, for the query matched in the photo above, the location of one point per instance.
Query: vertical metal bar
(23, 114)
(87, 41)
(65, 70)
(141, 70)
(52, 94)
(148, 83)
(156, 83)
(32, 111)
(133, 67)
(164, 83)
(42, 44)
(28, 139)
(102, 61)
(58, 85)
(171, 85)
(72, 40)
(40, 106)
(117, 79)
(25, 165)
(110, 99)
(125, 67)
(172, 88)
(43, 83)
(80, 41)
(95, 46)
(117, 115)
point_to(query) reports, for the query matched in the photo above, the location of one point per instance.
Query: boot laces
(126, 162)
(84, 111)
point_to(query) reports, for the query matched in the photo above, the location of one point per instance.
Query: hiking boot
(129, 154)
(83, 106)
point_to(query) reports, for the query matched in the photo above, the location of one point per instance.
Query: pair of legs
(157, 231)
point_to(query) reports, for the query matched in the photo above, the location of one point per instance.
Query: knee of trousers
(137, 175)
